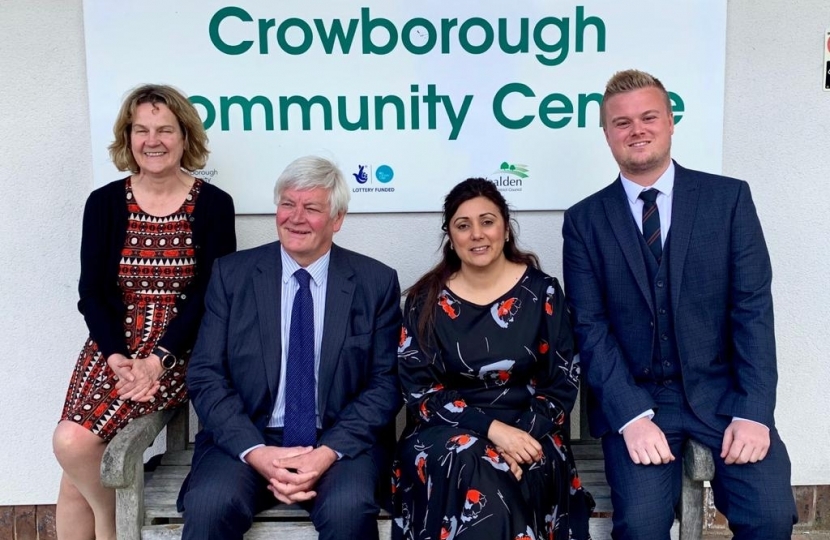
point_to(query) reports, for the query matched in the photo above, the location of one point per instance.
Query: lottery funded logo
(373, 179)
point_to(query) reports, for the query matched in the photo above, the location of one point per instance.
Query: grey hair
(310, 172)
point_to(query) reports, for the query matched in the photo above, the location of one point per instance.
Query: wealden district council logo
(509, 176)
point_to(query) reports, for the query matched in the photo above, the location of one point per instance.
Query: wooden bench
(146, 503)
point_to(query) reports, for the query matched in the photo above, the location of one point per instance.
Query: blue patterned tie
(651, 222)
(300, 427)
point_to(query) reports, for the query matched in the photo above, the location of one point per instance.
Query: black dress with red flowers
(512, 360)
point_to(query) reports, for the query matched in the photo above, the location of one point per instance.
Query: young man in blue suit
(668, 277)
(294, 373)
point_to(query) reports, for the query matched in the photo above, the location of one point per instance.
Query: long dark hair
(426, 289)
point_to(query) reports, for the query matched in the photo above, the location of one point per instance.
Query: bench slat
(259, 531)
(180, 457)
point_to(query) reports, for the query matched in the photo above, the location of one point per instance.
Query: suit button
(651, 324)
(664, 337)
(666, 363)
(646, 371)
(662, 311)
(659, 283)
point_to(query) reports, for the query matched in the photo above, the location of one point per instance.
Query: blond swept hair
(195, 137)
(627, 81)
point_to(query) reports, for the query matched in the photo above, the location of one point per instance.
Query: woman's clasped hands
(138, 379)
(517, 447)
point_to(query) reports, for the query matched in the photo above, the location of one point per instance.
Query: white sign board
(410, 98)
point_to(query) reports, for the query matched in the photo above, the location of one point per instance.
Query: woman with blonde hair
(147, 247)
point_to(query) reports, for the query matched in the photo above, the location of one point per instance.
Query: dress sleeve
(556, 382)
(423, 375)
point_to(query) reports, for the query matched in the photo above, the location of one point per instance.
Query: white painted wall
(777, 136)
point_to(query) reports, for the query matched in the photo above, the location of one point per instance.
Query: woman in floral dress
(486, 361)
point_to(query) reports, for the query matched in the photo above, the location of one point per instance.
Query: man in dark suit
(668, 277)
(294, 373)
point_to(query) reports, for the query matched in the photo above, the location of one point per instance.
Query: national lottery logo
(361, 176)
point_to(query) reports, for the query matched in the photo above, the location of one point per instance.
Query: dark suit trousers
(223, 494)
(756, 498)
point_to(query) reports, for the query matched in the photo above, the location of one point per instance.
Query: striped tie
(651, 222)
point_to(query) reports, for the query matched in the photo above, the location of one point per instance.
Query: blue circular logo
(384, 174)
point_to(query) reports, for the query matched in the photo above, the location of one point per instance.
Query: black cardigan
(103, 236)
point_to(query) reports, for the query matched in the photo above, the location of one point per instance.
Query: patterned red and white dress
(158, 261)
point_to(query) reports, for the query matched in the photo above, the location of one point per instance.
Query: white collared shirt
(318, 284)
(319, 271)
(665, 186)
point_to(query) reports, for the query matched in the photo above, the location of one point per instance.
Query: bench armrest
(119, 463)
(697, 462)
(698, 466)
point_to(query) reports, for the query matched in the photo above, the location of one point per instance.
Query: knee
(213, 509)
(770, 524)
(643, 521)
(759, 504)
(347, 513)
(72, 442)
(779, 523)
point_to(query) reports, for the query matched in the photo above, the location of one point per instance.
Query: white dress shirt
(319, 271)
(665, 188)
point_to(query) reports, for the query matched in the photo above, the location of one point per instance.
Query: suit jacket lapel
(267, 288)
(625, 230)
(683, 210)
(339, 294)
